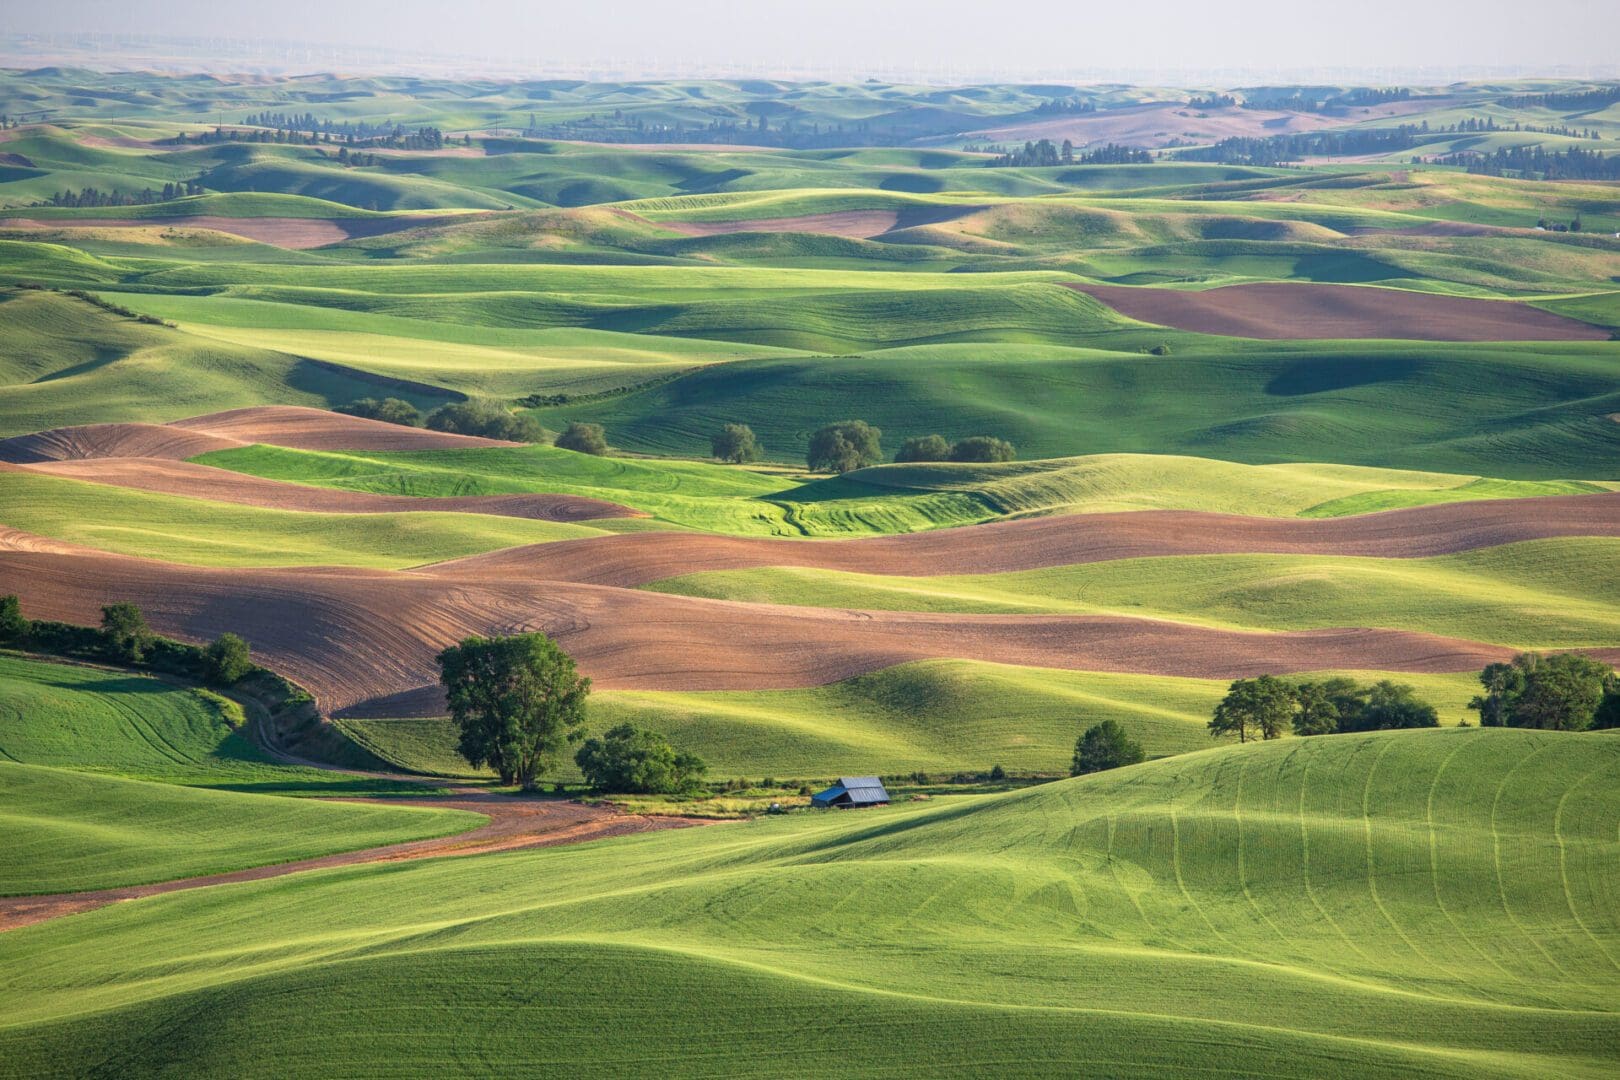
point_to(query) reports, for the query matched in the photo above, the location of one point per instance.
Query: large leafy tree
(517, 700)
(635, 761)
(1391, 705)
(924, 448)
(1317, 712)
(124, 633)
(1263, 707)
(1105, 746)
(1561, 693)
(1502, 683)
(736, 444)
(845, 446)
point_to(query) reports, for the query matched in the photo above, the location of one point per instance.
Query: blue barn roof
(852, 791)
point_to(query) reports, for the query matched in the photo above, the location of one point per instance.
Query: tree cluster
(95, 197)
(1275, 149)
(736, 445)
(125, 638)
(1562, 692)
(1105, 746)
(1537, 163)
(1582, 101)
(1267, 707)
(634, 761)
(844, 447)
(489, 419)
(389, 410)
(1214, 101)
(1065, 107)
(583, 439)
(1043, 153)
(976, 448)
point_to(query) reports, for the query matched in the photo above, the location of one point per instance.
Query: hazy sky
(897, 35)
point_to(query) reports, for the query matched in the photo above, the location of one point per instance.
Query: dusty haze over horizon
(1173, 41)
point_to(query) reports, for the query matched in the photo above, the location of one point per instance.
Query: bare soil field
(633, 559)
(277, 425)
(293, 233)
(203, 482)
(513, 824)
(1288, 310)
(365, 641)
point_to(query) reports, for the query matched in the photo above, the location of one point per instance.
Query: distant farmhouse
(853, 791)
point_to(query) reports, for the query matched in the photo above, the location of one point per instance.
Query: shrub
(845, 446)
(1160, 350)
(489, 419)
(389, 410)
(228, 661)
(997, 773)
(13, 626)
(124, 633)
(634, 761)
(1105, 746)
(924, 448)
(583, 438)
(736, 444)
(983, 448)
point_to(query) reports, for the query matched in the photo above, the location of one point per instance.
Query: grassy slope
(1352, 906)
(94, 719)
(67, 831)
(886, 499)
(1542, 594)
(942, 716)
(179, 529)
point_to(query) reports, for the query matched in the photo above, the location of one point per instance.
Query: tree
(228, 660)
(1105, 746)
(517, 700)
(983, 448)
(1317, 713)
(583, 438)
(489, 419)
(1561, 693)
(635, 761)
(124, 633)
(924, 448)
(389, 410)
(13, 626)
(1503, 683)
(1264, 705)
(736, 443)
(845, 446)
(1389, 706)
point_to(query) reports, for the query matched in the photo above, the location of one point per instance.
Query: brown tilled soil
(221, 485)
(278, 425)
(365, 640)
(513, 824)
(292, 233)
(1288, 310)
(634, 559)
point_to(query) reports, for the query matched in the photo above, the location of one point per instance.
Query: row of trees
(855, 444)
(1267, 707)
(1562, 692)
(1275, 149)
(93, 196)
(1043, 154)
(124, 638)
(1537, 163)
(973, 448)
(482, 417)
(519, 702)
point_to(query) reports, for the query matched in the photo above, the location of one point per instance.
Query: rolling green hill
(1346, 906)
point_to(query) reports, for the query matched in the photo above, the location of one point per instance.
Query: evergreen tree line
(789, 135)
(1214, 101)
(1065, 107)
(396, 137)
(91, 196)
(1043, 153)
(1589, 99)
(1536, 163)
(1276, 149)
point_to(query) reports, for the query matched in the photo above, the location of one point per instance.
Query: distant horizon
(180, 54)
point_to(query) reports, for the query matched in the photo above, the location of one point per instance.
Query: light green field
(884, 499)
(69, 831)
(93, 719)
(175, 528)
(1435, 903)
(944, 716)
(1542, 594)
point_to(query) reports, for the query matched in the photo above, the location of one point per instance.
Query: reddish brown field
(1288, 310)
(293, 233)
(1032, 543)
(365, 641)
(278, 425)
(221, 485)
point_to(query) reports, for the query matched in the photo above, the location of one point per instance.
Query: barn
(852, 791)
